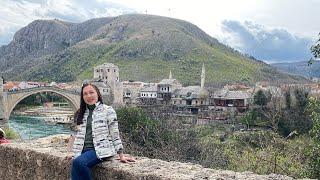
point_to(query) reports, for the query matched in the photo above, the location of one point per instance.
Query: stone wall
(45, 159)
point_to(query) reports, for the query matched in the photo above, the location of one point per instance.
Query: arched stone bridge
(11, 99)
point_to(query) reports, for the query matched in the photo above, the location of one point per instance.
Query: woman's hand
(125, 159)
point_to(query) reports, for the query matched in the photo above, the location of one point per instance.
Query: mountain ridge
(302, 68)
(145, 47)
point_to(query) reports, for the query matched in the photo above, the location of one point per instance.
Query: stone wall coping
(45, 158)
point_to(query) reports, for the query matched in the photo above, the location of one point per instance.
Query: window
(114, 70)
(174, 102)
(108, 70)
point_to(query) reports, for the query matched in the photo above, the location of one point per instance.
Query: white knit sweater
(105, 132)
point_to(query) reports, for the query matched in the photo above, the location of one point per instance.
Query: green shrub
(10, 133)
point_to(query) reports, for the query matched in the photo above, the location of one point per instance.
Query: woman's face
(90, 95)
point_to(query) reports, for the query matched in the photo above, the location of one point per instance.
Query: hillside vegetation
(145, 48)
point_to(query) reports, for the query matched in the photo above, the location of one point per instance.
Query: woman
(97, 137)
(3, 140)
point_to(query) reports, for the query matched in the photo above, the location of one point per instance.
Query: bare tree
(273, 111)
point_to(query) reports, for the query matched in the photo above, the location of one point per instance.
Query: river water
(30, 127)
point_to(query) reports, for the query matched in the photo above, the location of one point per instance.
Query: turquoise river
(30, 127)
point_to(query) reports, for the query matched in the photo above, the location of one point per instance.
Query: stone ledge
(44, 159)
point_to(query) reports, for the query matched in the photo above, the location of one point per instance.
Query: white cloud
(18, 13)
(274, 45)
(296, 17)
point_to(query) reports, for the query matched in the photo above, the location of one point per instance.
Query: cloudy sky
(270, 30)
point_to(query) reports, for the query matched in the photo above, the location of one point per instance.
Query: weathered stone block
(45, 159)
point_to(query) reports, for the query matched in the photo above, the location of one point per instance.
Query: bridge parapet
(43, 88)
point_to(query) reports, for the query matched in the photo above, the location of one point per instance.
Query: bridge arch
(13, 98)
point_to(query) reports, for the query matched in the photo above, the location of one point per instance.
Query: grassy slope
(146, 48)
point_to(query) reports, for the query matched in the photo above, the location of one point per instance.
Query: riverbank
(60, 115)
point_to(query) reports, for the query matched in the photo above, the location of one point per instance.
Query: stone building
(131, 91)
(190, 96)
(148, 95)
(165, 88)
(238, 100)
(108, 74)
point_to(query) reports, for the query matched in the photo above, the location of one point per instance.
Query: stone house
(190, 96)
(131, 91)
(148, 95)
(231, 99)
(165, 88)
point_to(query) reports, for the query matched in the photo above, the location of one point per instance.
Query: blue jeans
(82, 164)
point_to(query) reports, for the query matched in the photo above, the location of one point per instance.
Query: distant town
(208, 104)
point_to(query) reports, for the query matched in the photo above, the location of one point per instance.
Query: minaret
(170, 75)
(203, 76)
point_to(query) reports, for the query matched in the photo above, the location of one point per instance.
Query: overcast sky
(270, 30)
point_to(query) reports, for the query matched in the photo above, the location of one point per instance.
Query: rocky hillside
(145, 48)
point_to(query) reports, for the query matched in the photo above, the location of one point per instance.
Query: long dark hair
(78, 116)
(1, 134)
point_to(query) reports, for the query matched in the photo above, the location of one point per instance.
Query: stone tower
(108, 73)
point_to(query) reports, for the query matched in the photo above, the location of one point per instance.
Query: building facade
(108, 74)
